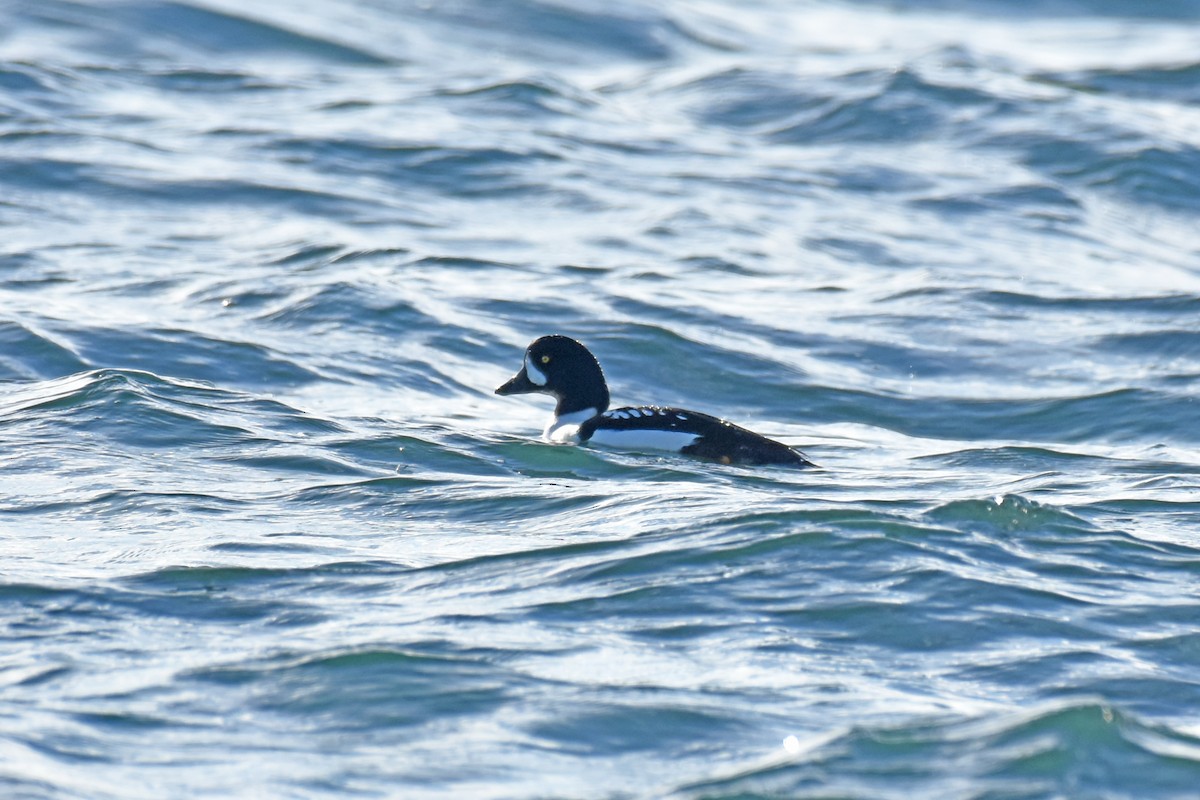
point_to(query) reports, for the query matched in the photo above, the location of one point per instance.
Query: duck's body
(566, 370)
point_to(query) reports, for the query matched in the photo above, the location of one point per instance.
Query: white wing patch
(643, 439)
(634, 413)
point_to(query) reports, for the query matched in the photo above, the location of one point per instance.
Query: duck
(566, 370)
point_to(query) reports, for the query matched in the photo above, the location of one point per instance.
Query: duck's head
(564, 369)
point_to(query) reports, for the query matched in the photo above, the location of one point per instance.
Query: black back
(717, 440)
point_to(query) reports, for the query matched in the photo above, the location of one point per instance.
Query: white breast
(643, 439)
(565, 429)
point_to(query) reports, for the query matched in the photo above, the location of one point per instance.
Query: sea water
(265, 531)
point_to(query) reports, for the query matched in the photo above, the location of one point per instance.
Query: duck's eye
(545, 359)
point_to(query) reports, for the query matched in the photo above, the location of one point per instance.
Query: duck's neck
(593, 396)
(575, 409)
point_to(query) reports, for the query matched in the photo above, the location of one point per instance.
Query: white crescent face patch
(536, 376)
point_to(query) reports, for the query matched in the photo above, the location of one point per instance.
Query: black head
(564, 369)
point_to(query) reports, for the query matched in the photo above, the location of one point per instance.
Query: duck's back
(688, 432)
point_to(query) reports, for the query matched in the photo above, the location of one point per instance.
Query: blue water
(265, 531)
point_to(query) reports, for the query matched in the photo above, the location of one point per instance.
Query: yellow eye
(545, 359)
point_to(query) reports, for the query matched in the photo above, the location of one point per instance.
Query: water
(266, 532)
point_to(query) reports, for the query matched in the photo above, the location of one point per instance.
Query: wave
(1174, 82)
(104, 417)
(26, 353)
(1075, 746)
(580, 33)
(391, 688)
(1051, 9)
(155, 29)
(893, 106)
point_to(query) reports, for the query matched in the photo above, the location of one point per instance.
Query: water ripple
(267, 530)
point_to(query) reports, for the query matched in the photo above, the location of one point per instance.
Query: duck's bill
(519, 384)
